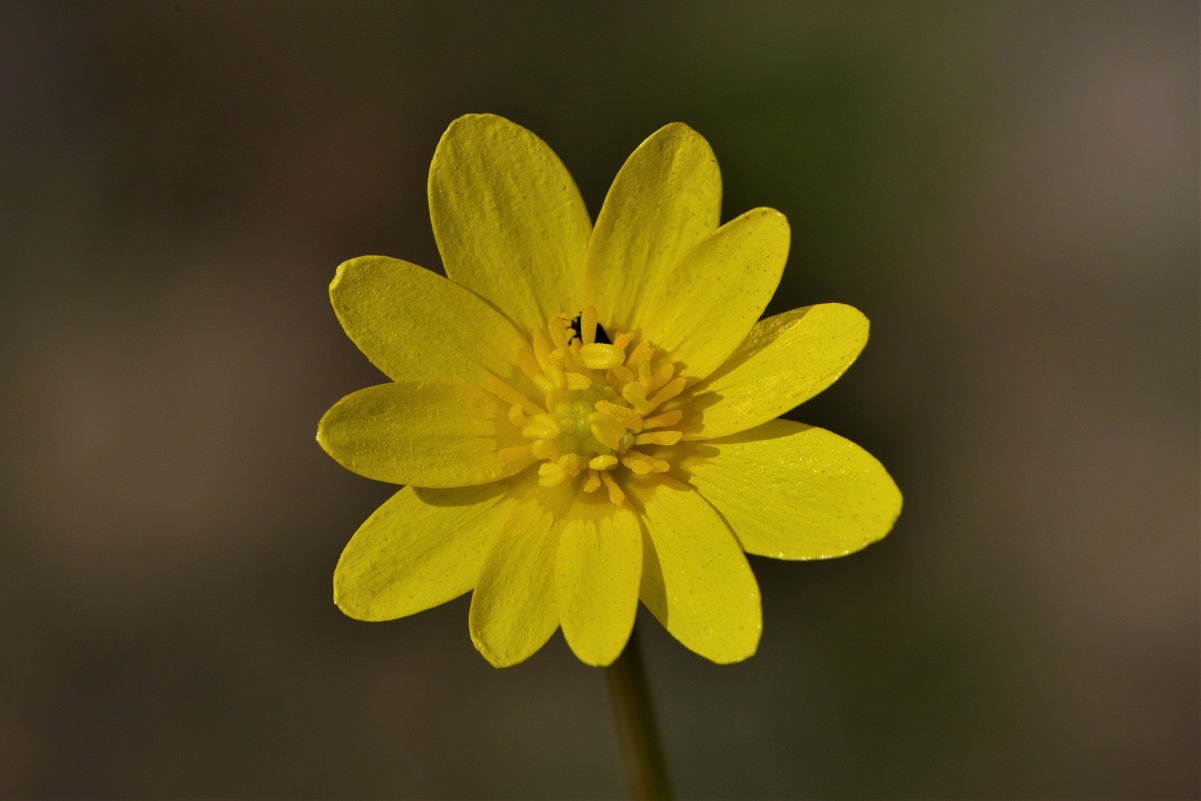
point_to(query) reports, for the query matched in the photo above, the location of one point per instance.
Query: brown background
(1008, 190)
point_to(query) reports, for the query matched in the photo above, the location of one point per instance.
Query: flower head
(585, 415)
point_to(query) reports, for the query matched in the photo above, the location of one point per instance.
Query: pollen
(595, 409)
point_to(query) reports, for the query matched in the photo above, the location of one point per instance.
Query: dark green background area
(1008, 190)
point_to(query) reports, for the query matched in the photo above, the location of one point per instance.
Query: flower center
(606, 405)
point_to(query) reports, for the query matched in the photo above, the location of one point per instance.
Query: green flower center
(605, 406)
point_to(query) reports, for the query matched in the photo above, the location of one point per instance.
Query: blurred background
(1009, 190)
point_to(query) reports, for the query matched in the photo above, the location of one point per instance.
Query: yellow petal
(786, 360)
(713, 298)
(513, 607)
(508, 219)
(415, 325)
(428, 435)
(598, 568)
(420, 549)
(695, 578)
(792, 491)
(665, 199)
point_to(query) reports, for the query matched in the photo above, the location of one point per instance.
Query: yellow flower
(585, 415)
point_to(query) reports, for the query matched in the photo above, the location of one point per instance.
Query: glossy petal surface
(513, 610)
(420, 549)
(665, 199)
(414, 325)
(428, 435)
(718, 291)
(791, 491)
(695, 578)
(508, 219)
(599, 565)
(786, 360)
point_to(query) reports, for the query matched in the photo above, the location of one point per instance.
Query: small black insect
(602, 336)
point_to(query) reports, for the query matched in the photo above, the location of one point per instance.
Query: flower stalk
(639, 736)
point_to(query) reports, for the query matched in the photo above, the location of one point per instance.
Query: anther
(663, 420)
(601, 357)
(606, 430)
(578, 381)
(622, 374)
(642, 353)
(593, 482)
(641, 464)
(616, 496)
(527, 362)
(658, 438)
(545, 449)
(588, 325)
(606, 462)
(542, 350)
(662, 376)
(556, 376)
(542, 426)
(515, 453)
(622, 414)
(635, 394)
(506, 393)
(559, 327)
(518, 417)
(669, 391)
(550, 474)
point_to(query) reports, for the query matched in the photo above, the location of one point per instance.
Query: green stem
(636, 728)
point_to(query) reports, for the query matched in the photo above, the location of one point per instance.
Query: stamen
(542, 426)
(596, 405)
(542, 350)
(506, 393)
(518, 417)
(559, 328)
(661, 376)
(578, 381)
(550, 474)
(588, 325)
(607, 431)
(669, 391)
(622, 375)
(556, 376)
(658, 438)
(515, 453)
(606, 462)
(593, 482)
(663, 420)
(642, 353)
(601, 357)
(622, 414)
(641, 464)
(545, 449)
(616, 496)
(570, 462)
(635, 393)
(527, 362)
(573, 349)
